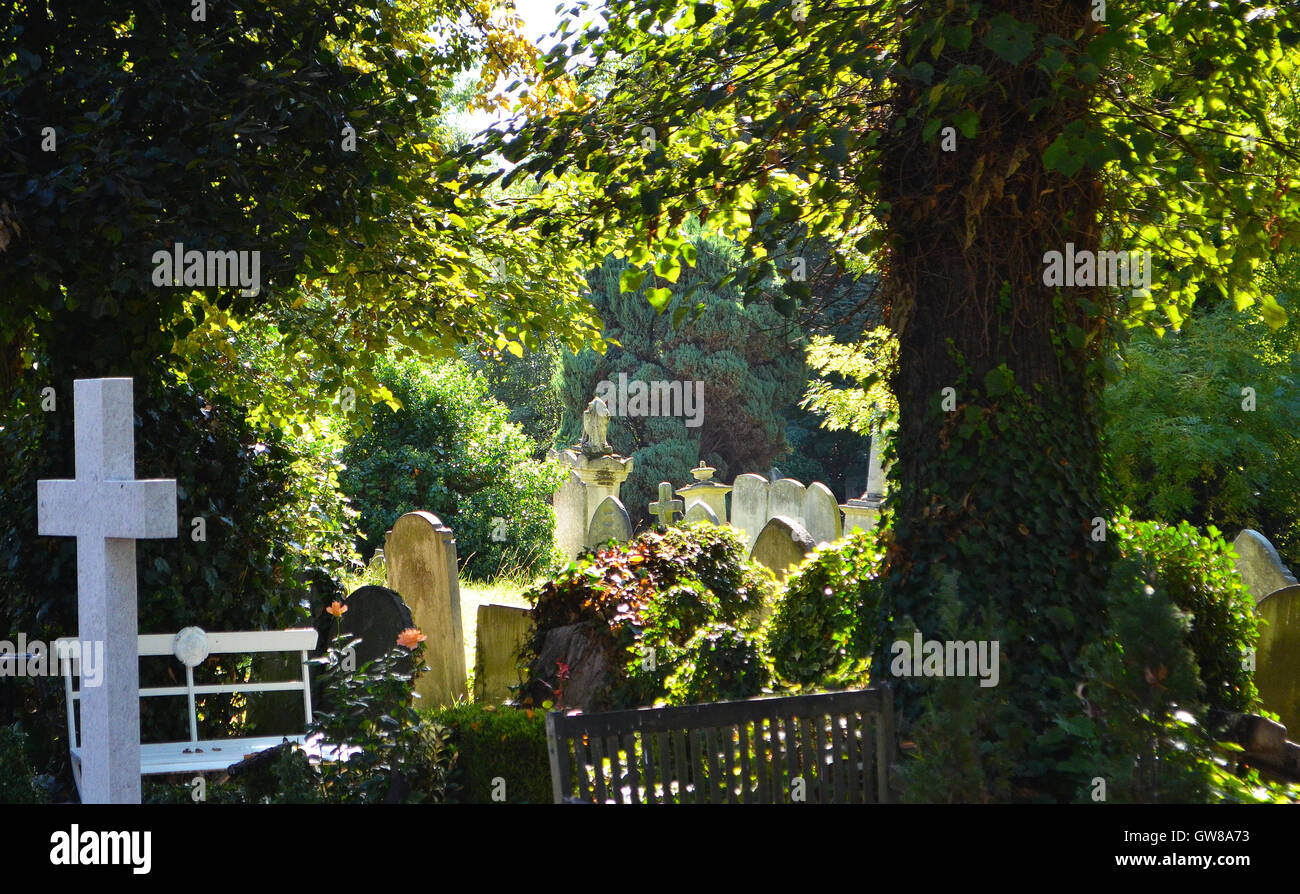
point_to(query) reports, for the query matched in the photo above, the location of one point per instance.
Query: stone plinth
(861, 514)
(591, 480)
(707, 491)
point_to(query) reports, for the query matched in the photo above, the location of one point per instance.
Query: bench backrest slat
(300, 640)
(839, 744)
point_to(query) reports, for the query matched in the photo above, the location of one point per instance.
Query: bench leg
(76, 774)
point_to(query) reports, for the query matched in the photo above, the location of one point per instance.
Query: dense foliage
(529, 386)
(491, 744)
(307, 132)
(18, 781)
(647, 599)
(1188, 441)
(450, 450)
(829, 616)
(1195, 571)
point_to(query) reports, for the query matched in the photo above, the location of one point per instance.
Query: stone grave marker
(821, 514)
(107, 510)
(570, 503)
(1277, 655)
(701, 512)
(786, 498)
(376, 566)
(376, 614)
(611, 522)
(502, 629)
(421, 560)
(749, 505)
(782, 544)
(665, 508)
(1259, 565)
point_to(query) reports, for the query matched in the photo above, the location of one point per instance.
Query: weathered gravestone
(786, 498)
(749, 506)
(376, 566)
(1259, 565)
(107, 510)
(591, 669)
(421, 559)
(611, 522)
(570, 503)
(821, 514)
(700, 512)
(782, 544)
(375, 614)
(502, 629)
(1277, 655)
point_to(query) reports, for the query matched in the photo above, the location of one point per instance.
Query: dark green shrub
(719, 663)
(402, 756)
(451, 450)
(17, 778)
(491, 743)
(826, 621)
(1136, 736)
(648, 597)
(1197, 572)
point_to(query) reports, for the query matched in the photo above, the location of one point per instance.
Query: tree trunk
(997, 480)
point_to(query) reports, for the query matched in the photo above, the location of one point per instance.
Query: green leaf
(659, 298)
(1061, 157)
(967, 121)
(1010, 40)
(998, 381)
(630, 280)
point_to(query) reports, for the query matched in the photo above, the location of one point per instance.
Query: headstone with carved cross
(665, 508)
(107, 510)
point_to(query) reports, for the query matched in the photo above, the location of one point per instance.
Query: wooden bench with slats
(827, 748)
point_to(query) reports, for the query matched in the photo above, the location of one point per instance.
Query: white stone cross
(107, 510)
(665, 507)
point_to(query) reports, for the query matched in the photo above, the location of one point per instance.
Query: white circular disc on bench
(190, 646)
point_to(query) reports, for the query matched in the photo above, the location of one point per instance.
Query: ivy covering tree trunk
(999, 468)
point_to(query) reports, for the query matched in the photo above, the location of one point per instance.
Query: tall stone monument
(862, 513)
(596, 472)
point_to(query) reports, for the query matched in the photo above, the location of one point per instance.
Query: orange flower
(337, 609)
(410, 638)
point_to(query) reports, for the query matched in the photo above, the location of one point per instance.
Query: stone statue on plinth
(595, 429)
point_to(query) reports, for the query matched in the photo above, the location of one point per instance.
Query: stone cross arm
(109, 509)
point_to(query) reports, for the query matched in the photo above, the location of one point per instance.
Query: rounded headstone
(1260, 567)
(1277, 655)
(375, 614)
(421, 559)
(782, 544)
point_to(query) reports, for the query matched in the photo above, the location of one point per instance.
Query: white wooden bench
(191, 647)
